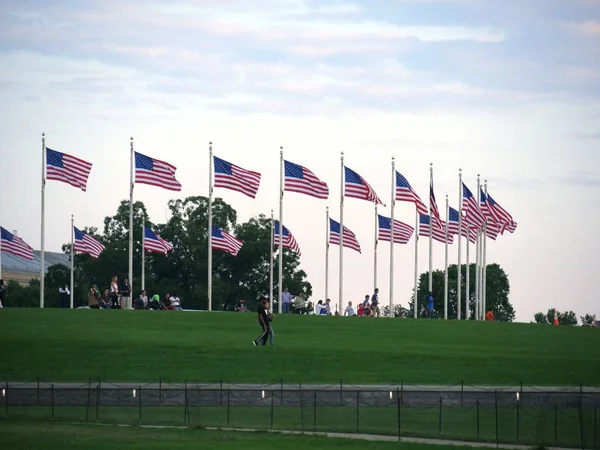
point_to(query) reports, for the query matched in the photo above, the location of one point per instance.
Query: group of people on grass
(119, 297)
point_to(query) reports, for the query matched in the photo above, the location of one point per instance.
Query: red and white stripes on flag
(356, 186)
(221, 240)
(402, 231)
(439, 234)
(84, 243)
(154, 243)
(67, 168)
(473, 215)
(350, 240)
(155, 172)
(230, 176)
(13, 244)
(300, 179)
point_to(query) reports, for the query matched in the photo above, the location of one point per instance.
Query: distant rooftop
(17, 264)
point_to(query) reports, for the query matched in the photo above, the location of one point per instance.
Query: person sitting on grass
(349, 311)
(154, 303)
(105, 300)
(241, 306)
(489, 316)
(175, 303)
(142, 301)
(300, 304)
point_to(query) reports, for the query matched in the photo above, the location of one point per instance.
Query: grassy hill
(73, 345)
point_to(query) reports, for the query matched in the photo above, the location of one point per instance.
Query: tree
(540, 317)
(564, 318)
(588, 319)
(497, 287)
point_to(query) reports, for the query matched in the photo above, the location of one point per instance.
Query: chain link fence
(564, 417)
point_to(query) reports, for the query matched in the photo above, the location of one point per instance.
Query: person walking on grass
(263, 321)
(430, 309)
(375, 303)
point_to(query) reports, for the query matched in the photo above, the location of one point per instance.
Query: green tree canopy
(497, 286)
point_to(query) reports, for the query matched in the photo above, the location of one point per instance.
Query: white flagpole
(131, 183)
(280, 278)
(393, 205)
(143, 254)
(341, 280)
(210, 223)
(430, 231)
(446, 263)
(415, 296)
(468, 280)
(459, 266)
(326, 252)
(484, 272)
(271, 258)
(72, 262)
(42, 271)
(375, 253)
(477, 246)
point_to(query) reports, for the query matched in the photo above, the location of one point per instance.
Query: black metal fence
(551, 417)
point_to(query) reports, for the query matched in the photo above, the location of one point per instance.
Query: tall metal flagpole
(484, 271)
(393, 205)
(131, 184)
(430, 230)
(415, 296)
(143, 286)
(375, 253)
(327, 253)
(210, 223)
(271, 258)
(468, 280)
(280, 278)
(477, 305)
(446, 263)
(42, 271)
(459, 267)
(72, 263)
(341, 280)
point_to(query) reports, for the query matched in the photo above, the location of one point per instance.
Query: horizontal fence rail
(551, 416)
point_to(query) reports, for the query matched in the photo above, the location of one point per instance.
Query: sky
(509, 90)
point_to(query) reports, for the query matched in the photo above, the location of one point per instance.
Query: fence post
(221, 392)
(440, 418)
(478, 435)
(52, 392)
(228, 404)
(555, 420)
(496, 403)
(357, 411)
(301, 408)
(272, 404)
(87, 406)
(38, 391)
(6, 398)
(98, 399)
(315, 411)
(581, 423)
(595, 422)
(140, 401)
(462, 392)
(185, 404)
(519, 399)
(399, 403)
(281, 392)
(402, 392)
(341, 393)
(159, 391)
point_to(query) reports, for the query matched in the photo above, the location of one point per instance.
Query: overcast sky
(509, 89)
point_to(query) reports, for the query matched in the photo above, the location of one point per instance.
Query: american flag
(506, 220)
(155, 172)
(405, 193)
(154, 243)
(288, 240)
(435, 212)
(492, 230)
(357, 187)
(300, 179)
(221, 240)
(14, 245)
(402, 231)
(232, 177)
(67, 168)
(437, 233)
(473, 215)
(466, 232)
(349, 237)
(84, 243)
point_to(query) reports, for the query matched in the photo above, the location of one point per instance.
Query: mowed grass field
(143, 346)
(44, 436)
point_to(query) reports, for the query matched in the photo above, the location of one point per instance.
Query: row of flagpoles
(482, 218)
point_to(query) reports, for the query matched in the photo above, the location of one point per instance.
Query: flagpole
(341, 280)
(484, 272)
(430, 230)
(326, 252)
(210, 223)
(72, 264)
(468, 280)
(446, 262)
(477, 305)
(375, 253)
(280, 278)
(459, 266)
(415, 296)
(43, 213)
(271, 257)
(131, 183)
(393, 205)
(143, 254)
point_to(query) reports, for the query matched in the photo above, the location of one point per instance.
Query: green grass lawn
(45, 436)
(141, 346)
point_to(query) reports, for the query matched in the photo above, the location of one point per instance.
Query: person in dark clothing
(263, 321)
(2, 291)
(429, 299)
